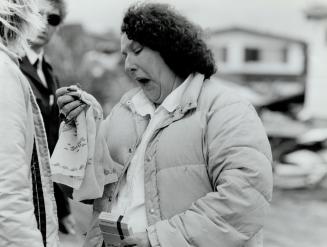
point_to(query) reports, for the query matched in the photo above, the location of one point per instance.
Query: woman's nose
(130, 67)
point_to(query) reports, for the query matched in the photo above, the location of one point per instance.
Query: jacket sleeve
(94, 236)
(17, 220)
(239, 167)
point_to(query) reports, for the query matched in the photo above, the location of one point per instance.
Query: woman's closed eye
(138, 50)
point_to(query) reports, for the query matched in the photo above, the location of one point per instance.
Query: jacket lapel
(28, 69)
(48, 73)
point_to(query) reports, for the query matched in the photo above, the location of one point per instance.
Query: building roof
(316, 12)
(256, 33)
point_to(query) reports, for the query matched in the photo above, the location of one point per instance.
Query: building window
(251, 55)
(284, 55)
(222, 54)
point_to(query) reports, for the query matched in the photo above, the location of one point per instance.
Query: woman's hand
(138, 239)
(69, 103)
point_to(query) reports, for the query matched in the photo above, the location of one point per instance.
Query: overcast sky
(276, 16)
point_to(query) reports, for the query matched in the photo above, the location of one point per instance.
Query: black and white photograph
(163, 123)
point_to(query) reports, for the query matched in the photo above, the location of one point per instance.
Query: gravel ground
(298, 218)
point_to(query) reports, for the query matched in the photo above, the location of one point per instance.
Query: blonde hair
(19, 21)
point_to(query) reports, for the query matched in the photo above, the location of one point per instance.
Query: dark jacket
(50, 114)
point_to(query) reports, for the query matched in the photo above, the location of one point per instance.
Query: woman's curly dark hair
(178, 41)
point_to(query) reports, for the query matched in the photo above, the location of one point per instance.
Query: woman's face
(147, 67)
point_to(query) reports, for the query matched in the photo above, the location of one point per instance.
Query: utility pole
(315, 106)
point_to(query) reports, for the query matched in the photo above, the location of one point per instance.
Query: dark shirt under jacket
(47, 102)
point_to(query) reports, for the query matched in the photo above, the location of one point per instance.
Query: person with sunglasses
(44, 84)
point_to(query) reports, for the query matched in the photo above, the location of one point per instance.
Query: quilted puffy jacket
(208, 174)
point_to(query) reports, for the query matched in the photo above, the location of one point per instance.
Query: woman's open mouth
(142, 80)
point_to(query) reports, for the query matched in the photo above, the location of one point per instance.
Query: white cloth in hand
(74, 162)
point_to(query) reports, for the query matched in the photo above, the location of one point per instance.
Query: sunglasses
(54, 20)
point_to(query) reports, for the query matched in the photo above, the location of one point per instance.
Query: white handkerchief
(73, 160)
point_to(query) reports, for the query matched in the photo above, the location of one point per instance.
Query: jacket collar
(10, 54)
(192, 92)
(142, 105)
(189, 99)
(28, 68)
(173, 100)
(32, 56)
